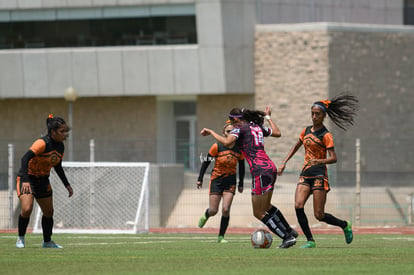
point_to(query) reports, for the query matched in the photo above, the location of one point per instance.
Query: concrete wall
(299, 64)
(123, 128)
(377, 64)
(110, 118)
(111, 71)
(166, 184)
(359, 11)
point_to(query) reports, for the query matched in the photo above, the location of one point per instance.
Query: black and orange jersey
(316, 144)
(47, 154)
(226, 160)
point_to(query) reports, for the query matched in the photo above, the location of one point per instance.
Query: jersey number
(258, 137)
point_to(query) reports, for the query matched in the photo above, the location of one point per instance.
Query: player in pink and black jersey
(249, 134)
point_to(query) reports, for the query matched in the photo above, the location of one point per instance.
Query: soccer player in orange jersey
(222, 180)
(319, 151)
(33, 179)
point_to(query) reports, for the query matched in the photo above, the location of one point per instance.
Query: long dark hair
(248, 115)
(341, 109)
(53, 123)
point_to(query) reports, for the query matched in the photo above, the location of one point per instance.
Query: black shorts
(41, 187)
(264, 182)
(315, 177)
(223, 184)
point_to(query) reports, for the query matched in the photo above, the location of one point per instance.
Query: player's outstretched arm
(226, 141)
(292, 151)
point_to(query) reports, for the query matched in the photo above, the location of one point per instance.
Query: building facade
(299, 64)
(144, 95)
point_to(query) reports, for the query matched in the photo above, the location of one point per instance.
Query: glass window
(160, 30)
(184, 108)
(409, 12)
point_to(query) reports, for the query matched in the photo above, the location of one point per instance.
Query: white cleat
(20, 242)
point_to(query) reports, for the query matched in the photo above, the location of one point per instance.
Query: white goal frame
(132, 225)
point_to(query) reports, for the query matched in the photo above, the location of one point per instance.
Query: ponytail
(340, 109)
(53, 123)
(248, 115)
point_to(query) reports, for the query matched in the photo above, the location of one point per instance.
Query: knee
(258, 214)
(319, 215)
(226, 211)
(26, 211)
(212, 212)
(48, 213)
(299, 205)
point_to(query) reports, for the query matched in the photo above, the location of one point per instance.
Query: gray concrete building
(145, 99)
(299, 64)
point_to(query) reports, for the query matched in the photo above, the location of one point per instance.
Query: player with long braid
(248, 135)
(33, 179)
(313, 179)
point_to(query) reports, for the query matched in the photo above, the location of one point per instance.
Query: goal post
(108, 197)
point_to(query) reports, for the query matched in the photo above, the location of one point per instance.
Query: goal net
(108, 197)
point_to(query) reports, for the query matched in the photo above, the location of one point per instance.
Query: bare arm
(226, 141)
(331, 159)
(292, 151)
(275, 130)
(62, 176)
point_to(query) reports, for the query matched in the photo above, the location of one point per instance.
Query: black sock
(223, 225)
(303, 222)
(22, 224)
(329, 219)
(47, 226)
(207, 214)
(270, 222)
(274, 211)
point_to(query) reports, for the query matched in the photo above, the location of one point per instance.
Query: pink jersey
(250, 140)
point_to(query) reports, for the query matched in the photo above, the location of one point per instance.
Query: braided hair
(248, 115)
(53, 123)
(340, 109)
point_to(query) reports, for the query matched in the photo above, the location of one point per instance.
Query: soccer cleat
(222, 240)
(349, 236)
(288, 242)
(294, 233)
(51, 244)
(20, 242)
(202, 221)
(309, 244)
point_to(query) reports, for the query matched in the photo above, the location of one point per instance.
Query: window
(185, 129)
(409, 12)
(157, 30)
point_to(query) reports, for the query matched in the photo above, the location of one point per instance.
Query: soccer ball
(261, 238)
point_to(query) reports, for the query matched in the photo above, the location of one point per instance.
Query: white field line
(410, 239)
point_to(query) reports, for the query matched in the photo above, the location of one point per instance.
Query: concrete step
(377, 207)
